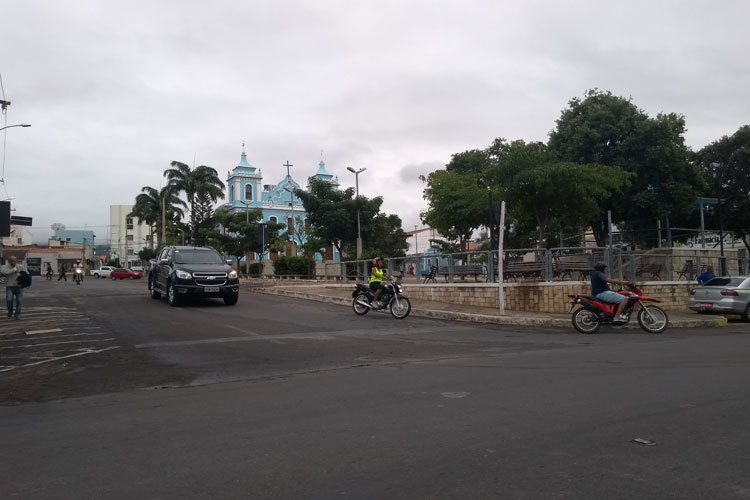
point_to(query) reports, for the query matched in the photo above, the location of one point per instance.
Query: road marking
(56, 343)
(39, 332)
(56, 336)
(253, 334)
(61, 357)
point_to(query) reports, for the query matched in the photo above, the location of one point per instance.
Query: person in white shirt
(13, 291)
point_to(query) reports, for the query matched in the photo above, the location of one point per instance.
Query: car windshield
(197, 257)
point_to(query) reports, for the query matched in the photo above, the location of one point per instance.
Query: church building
(246, 190)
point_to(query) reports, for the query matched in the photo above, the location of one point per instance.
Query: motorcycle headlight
(233, 274)
(183, 275)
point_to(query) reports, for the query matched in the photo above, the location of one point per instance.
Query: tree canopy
(725, 165)
(609, 130)
(332, 214)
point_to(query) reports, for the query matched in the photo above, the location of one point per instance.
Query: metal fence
(555, 264)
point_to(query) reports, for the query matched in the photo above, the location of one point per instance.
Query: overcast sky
(117, 90)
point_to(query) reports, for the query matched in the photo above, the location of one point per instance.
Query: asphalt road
(282, 398)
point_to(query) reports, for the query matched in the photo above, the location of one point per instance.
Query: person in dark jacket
(706, 276)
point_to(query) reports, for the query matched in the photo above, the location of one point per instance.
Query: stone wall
(549, 297)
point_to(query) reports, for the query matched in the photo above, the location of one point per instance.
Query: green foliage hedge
(293, 266)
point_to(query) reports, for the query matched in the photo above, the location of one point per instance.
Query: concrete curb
(541, 320)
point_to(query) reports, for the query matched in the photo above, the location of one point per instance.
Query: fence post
(633, 271)
(548, 275)
(490, 267)
(450, 268)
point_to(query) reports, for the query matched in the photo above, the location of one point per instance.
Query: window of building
(131, 251)
(129, 222)
(19, 241)
(273, 219)
(307, 224)
(248, 192)
(231, 193)
(290, 225)
(129, 237)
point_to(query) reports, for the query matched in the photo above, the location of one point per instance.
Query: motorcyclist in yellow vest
(376, 280)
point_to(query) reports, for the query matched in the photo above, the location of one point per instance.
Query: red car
(122, 274)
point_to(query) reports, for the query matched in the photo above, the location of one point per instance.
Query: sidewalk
(335, 293)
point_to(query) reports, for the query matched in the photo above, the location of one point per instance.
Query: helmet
(600, 266)
(375, 261)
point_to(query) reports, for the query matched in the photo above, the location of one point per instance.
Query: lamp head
(350, 169)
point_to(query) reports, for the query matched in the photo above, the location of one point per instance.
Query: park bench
(515, 270)
(567, 267)
(652, 270)
(687, 271)
(430, 275)
(464, 270)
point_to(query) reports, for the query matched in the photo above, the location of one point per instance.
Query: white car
(102, 272)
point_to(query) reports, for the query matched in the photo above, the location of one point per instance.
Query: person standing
(62, 274)
(13, 291)
(706, 276)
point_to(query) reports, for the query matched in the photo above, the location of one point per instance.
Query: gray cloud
(115, 92)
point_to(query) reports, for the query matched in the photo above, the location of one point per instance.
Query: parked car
(725, 295)
(181, 272)
(121, 274)
(102, 272)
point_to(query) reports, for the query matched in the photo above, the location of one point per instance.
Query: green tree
(609, 130)
(241, 233)
(457, 204)
(201, 182)
(725, 165)
(149, 205)
(333, 218)
(554, 194)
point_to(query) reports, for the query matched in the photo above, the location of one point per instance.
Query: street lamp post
(722, 262)
(359, 231)
(19, 125)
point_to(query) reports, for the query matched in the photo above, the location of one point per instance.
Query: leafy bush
(292, 266)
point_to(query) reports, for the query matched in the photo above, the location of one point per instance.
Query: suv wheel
(172, 297)
(154, 293)
(232, 299)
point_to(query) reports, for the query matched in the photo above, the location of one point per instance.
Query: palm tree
(199, 181)
(151, 202)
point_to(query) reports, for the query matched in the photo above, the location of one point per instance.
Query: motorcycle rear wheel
(359, 308)
(586, 321)
(401, 309)
(653, 319)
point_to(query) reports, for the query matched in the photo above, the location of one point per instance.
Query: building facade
(127, 235)
(246, 191)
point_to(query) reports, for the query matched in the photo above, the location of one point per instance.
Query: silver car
(724, 295)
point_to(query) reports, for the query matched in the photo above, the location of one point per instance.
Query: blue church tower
(246, 191)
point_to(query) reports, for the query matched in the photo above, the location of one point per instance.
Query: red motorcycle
(594, 313)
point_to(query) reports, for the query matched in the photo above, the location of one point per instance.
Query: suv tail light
(692, 292)
(729, 293)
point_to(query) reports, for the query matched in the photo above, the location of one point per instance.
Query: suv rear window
(197, 257)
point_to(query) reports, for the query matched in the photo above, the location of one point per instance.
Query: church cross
(287, 165)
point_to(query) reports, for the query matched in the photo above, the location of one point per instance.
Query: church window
(249, 192)
(231, 193)
(290, 224)
(273, 219)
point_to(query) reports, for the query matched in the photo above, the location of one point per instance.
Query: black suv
(183, 272)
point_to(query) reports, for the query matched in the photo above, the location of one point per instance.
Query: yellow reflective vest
(377, 275)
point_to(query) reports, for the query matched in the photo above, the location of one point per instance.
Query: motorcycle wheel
(653, 319)
(586, 321)
(401, 309)
(359, 308)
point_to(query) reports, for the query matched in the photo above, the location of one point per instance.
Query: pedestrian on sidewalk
(13, 291)
(49, 272)
(62, 274)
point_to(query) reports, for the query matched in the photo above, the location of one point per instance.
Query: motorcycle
(399, 305)
(78, 276)
(594, 312)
